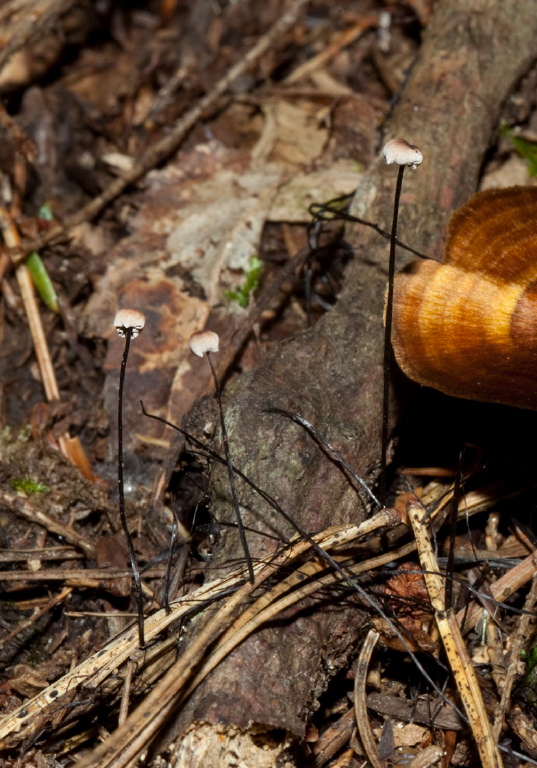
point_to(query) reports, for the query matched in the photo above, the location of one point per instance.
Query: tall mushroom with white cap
(129, 323)
(403, 154)
(202, 343)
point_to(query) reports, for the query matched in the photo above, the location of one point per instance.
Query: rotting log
(471, 58)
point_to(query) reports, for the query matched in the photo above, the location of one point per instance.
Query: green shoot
(526, 149)
(27, 486)
(252, 275)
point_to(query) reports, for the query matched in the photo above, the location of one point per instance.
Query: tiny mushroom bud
(202, 342)
(401, 152)
(129, 320)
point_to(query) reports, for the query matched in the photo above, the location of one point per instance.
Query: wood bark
(471, 58)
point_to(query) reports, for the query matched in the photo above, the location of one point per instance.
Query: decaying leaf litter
(89, 107)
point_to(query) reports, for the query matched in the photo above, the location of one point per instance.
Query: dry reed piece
(501, 590)
(103, 664)
(136, 733)
(456, 651)
(362, 718)
(71, 447)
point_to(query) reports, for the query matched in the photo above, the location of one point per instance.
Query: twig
(454, 645)
(334, 454)
(333, 739)
(339, 41)
(126, 693)
(518, 639)
(501, 590)
(362, 718)
(35, 616)
(71, 447)
(48, 553)
(27, 28)
(23, 508)
(158, 152)
(78, 577)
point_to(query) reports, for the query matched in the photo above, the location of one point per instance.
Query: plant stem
(387, 341)
(229, 463)
(121, 490)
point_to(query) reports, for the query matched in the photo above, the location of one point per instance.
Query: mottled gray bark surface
(472, 56)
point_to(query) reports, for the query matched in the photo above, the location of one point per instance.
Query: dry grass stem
(71, 447)
(21, 507)
(139, 728)
(456, 651)
(126, 692)
(501, 590)
(340, 41)
(362, 718)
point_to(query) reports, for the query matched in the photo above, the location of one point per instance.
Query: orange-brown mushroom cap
(468, 326)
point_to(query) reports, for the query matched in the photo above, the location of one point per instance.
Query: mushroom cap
(129, 320)
(468, 326)
(401, 152)
(202, 342)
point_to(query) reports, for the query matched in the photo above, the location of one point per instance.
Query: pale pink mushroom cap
(202, 342)
(129, 319)
(401, 152)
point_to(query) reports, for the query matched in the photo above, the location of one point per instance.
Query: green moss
(26, 485)
(252, 275)
(526, 149)
(526, 691)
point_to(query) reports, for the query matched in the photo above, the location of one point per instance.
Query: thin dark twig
(457, 487)
(332, 452)
(345, 573)
(216, 456)
(169, 561)
(324, 212)
(121, 491)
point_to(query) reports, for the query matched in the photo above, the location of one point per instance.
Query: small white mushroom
(129, 320)
(202, 342)
(401, 152)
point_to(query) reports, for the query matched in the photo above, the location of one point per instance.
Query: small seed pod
(468, 326)
(129, 319)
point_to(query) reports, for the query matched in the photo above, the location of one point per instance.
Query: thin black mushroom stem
(202, 343)
(403, 154)
(129, 323)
